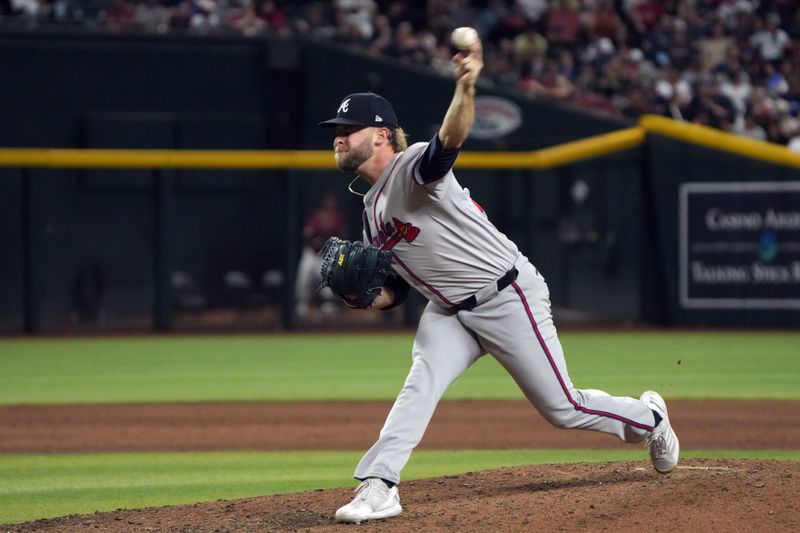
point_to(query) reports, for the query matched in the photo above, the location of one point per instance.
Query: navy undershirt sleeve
(436, 161)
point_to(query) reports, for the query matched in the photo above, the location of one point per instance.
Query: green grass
(40, 486)
(348, 367)
(373, 367)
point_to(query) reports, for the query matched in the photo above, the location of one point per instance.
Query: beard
(350, 161)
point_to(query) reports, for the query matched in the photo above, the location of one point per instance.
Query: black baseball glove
(355, 272)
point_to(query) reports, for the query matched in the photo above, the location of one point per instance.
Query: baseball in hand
(464, 37)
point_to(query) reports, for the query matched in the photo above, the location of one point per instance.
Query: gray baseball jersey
(445, 247)
(442, 242)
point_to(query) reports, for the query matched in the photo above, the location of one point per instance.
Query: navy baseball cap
(363, 109)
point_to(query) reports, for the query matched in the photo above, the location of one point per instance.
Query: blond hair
(398, 139)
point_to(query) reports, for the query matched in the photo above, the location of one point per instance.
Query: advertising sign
(495, 117)
(740, 245)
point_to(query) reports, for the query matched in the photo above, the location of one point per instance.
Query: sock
(657, 418)
(385, 481)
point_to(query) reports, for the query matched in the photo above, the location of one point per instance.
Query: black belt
(502, 283)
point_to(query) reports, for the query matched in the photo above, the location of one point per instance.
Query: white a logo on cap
(345, 105)
(378, 118)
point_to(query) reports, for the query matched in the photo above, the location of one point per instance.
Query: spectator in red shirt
(563, 25)
(647, 15)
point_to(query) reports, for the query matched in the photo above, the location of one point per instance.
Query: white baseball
(464, 37)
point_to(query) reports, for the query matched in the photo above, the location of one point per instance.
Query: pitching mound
(701, 495)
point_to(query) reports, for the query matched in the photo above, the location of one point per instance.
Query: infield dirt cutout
(701, 495)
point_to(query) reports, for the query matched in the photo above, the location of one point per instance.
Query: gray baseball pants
(514, 326)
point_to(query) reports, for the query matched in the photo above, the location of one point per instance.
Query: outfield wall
(176, 248)
(96, 248)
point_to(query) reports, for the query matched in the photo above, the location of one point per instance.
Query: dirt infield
(701, 495)
(354, 426)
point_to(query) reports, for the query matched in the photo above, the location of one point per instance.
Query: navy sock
(385, 481)
(657, 418)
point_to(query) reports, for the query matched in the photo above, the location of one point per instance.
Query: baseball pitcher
(422, 229)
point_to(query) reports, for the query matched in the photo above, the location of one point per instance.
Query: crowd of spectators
(729, 64)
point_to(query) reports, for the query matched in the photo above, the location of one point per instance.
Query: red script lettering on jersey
(398, 230)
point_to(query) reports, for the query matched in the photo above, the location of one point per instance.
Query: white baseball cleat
(373, 501)
(662, 441)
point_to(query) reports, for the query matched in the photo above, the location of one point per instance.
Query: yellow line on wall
(720, 140)
(226, 159)
(563, 154)
(304, 159)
